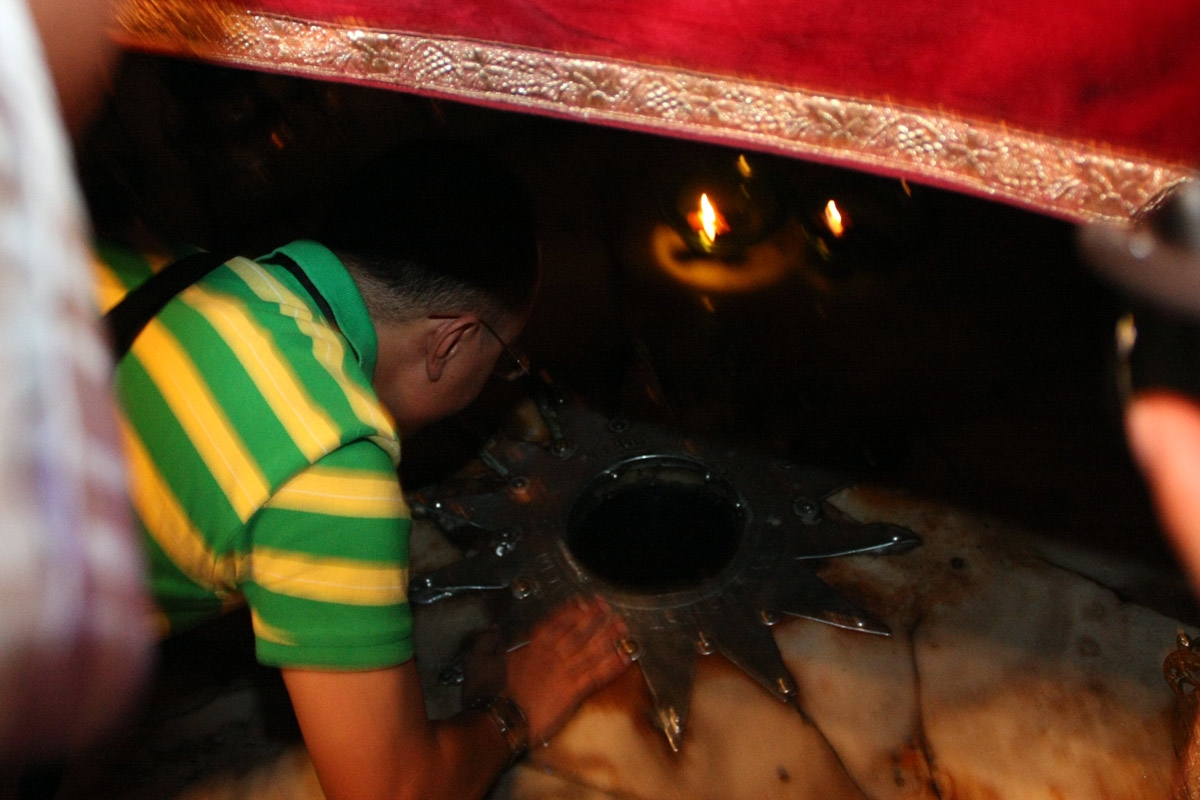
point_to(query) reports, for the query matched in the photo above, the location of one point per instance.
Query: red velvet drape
(1084, 109)
(1121, 72)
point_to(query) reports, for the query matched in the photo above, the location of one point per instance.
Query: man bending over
(263, 409)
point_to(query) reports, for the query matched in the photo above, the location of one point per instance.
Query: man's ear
(442, 343)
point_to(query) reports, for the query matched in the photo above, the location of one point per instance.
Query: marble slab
(1006, 676)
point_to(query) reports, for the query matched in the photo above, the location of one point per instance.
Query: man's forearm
(369, 738)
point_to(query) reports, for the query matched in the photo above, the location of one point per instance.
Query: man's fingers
(572, 653)
(566, 618)
(595, 618)
(583, 635)
(574, 624)
(1164, 436)
(603, 670)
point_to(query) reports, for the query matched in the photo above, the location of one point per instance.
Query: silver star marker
(700, 547)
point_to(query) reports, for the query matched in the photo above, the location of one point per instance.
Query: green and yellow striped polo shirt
(262, 465)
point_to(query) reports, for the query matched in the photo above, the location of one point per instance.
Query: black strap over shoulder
(127, 318)
(289, 263)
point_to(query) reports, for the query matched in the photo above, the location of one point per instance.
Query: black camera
(1155, 263)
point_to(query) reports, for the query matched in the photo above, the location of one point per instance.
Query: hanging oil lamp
(724, 206)
(726, 227)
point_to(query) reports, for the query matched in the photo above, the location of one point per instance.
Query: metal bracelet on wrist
(510, 721)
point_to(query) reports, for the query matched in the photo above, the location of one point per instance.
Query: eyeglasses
(520, 363)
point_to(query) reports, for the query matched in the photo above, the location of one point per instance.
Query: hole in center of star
(655, 526)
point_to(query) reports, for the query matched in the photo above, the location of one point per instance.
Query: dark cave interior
(949, 346)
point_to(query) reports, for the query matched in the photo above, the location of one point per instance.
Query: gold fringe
(1073, 180)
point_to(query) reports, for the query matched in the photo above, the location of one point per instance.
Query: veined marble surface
(1006, 677)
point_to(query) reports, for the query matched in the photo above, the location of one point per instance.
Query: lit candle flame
(744, 168)
(833, 219)
(708, 221)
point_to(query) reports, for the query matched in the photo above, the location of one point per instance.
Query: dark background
(949, 346)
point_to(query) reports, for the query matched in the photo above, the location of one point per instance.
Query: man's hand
(370, 739)
(570, 655)
(1164, 435)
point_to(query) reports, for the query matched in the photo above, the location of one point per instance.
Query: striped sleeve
(325, 569)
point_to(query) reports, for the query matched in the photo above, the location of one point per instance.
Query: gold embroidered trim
(1062, 178)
